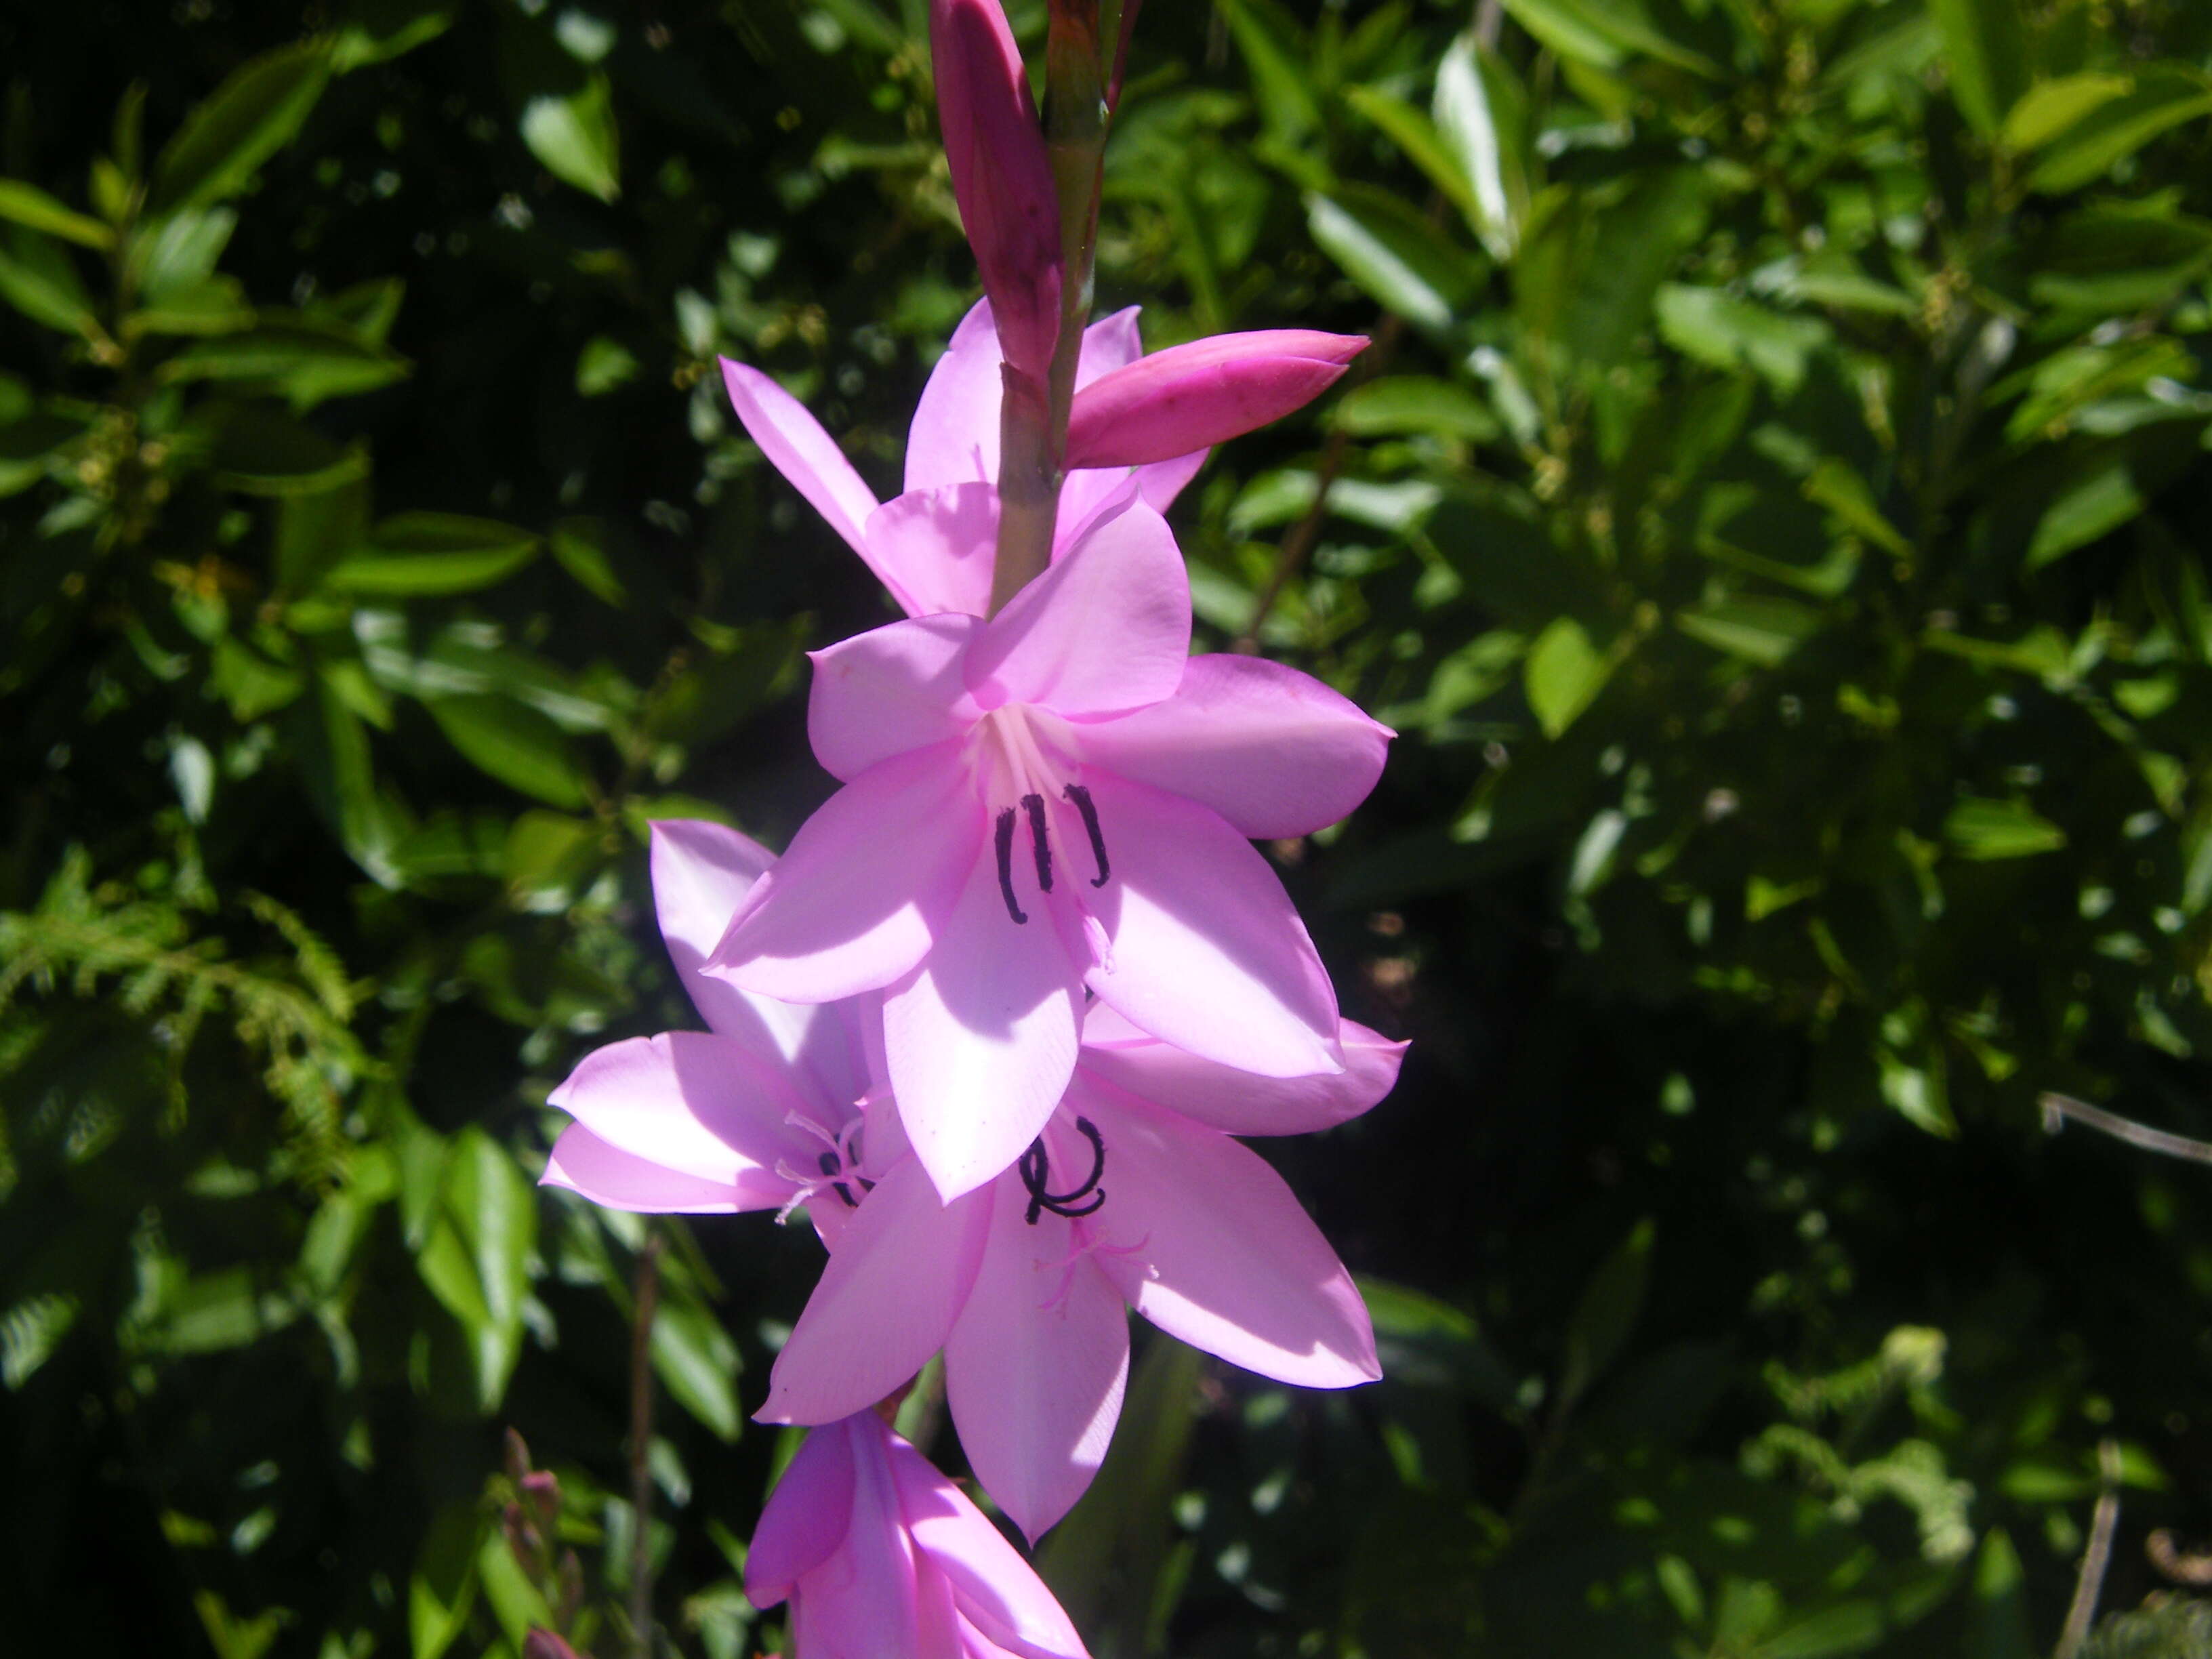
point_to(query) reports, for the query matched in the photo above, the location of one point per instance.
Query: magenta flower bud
(882, 1557)
(1001, 175)
(1189, 397)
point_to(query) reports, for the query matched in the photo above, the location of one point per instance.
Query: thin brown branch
(2089, 1583)
(645, 1302)
(2056, 1109)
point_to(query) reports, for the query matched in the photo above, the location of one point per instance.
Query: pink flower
(1057, 800)
(882, 1557)
(931, 546)
(1135, 1195)
(1001, 172)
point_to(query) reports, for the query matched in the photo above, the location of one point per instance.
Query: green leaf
(2091, 506)
(1391, 252)
(432, 553)
(1760, 628)
(1280, 66)
(1979, 828)
(2052, 108)
(38, 279)
(260, 451)
(1987, 43)
(27, 450)
(1837, 486)
(1426, 1343)
(443, 1586)
(1562, 674)
(2162, 98)
(1607, 1313)
(1414, 134)
(514, 744)
(603, 365)
(26, 204)
(574, 135)
(247, 119)
(1722, 331)
(476, 1261)
(696, 1361)
(1482, 113)
(1403, 404)
(342, 783)
(303, 361)
(1604, 34)
(577, 547)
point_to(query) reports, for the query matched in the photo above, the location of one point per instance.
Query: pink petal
(1190, 396)
(934, 547)
(884, 1303)
(997, 1591)
(1208, 1243)
(1109, 343)
(1106, 628)
(1207, 953)
(1160, 482)
(701, 1106)
(583, 1163)
(805, 1517)
(796, 445)
(1001, 176)
(852, 904)
(981, 1038)
(889, 691)
(861, 1601)
(1273, 751)
(1036, 1364)
(702, 872)
(954, 439)
(1238, 1102)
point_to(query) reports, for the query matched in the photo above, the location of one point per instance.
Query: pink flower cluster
(995, 1017)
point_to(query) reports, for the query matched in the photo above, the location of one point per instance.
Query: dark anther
(1033, 805)
(1035, 1170)
(1005, 838)
(1081, 797)
(830, 1164)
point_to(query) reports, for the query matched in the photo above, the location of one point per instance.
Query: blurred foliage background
(1773, 515)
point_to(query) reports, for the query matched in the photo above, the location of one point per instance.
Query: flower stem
(1033, 419)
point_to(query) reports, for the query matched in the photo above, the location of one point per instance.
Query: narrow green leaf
(2092, 506)
(1986, 42)
(576, 138)
(2052, 107)
(1391, 252)
(26, 204)
(1481, 114)
(514, 744)
(1985, 830)
(1402, 404)
(1762, 630)
(1282, 68)
(1416, 136)
(696, 1361)
(2120, 126)
(244, 122)
(1718, 328)
(37, 278)
(1837, 486)
(430, 553)
(1607, 1313)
